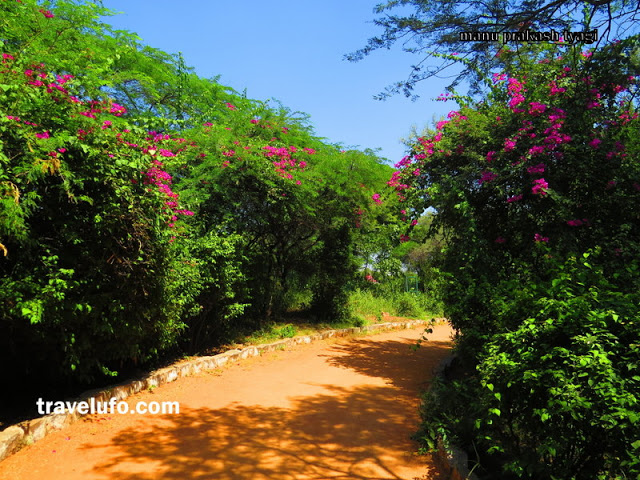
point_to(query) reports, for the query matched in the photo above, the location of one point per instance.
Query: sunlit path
(329, 410)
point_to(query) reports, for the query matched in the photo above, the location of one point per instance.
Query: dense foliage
(145, 210)
(537, 192)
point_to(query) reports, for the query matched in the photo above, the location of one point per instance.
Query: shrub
(523, 183)
(562, 389)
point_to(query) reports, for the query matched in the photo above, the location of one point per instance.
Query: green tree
(292, 199)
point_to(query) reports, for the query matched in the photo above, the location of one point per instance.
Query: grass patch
(272, 333)
(366, 304)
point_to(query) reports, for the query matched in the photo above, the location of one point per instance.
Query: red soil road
(333, 409)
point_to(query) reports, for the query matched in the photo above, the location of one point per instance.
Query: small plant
(286, 331)
(407, 305)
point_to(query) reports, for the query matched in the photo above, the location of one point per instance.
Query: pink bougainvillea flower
(536, 168)
(509, 145)
(230, 106)
(406, 160)
(595, 143)
(516, 100)
(62, 79)
(555, 90)
(43, 135)
(376, 198)
(117, 110)
(46, 13)
(540, 187)
(499, 77)
(514, 86)
(539, 238)
(440, 125)
(487, 177)
(166, 153)
(404, 238)
(536, 149)
(536, 108)
(515, 198)
(578, 222)
(491, 156)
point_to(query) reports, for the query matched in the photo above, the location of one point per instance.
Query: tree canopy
(434, 30)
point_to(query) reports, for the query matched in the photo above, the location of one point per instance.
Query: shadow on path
(397, 361)
(357, 432)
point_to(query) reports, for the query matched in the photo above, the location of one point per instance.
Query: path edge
(22, 434)
(452, 460)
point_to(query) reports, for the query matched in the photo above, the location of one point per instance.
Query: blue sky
(293, 51)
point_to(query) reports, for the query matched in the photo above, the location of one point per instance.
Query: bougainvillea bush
(537, 191)
(145, 210)
(97, 270)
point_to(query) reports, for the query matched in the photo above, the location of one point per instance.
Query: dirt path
(334, 409)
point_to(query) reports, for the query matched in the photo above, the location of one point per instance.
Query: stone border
(15, 437)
